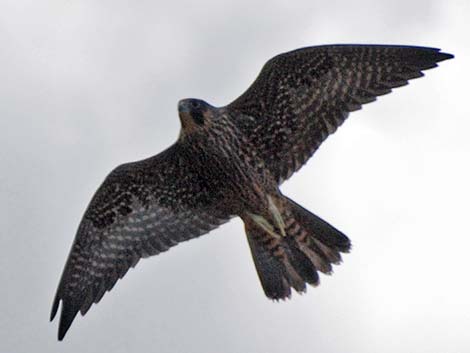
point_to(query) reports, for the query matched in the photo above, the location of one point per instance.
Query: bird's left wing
(141, 209)
(302, 96)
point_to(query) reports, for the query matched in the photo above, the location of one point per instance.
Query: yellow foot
(277, 216)
(264, 224)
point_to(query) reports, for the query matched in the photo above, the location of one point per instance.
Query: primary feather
(230, 161)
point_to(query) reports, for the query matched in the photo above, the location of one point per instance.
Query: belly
(237, 178)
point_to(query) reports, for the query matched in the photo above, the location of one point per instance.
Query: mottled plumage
(229, 162)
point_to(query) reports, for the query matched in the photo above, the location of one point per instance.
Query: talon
(277, 216)
(264, 224)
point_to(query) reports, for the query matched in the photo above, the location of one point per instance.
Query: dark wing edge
(301, 97)
(128, 219)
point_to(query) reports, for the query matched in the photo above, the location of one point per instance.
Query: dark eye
(195, 104)
(198, 117)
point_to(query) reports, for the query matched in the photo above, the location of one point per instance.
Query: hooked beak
(183, 107)
(185, 116)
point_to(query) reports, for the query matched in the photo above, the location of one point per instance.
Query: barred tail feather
(282, 263)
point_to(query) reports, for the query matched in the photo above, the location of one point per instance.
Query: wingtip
(55, 307)
(66, 319)
(429, 57)
(445, 56)
(68, 312)
(60, 336)
(61, 333)
(440, 55)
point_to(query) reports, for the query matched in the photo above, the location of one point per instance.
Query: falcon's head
(194, 114)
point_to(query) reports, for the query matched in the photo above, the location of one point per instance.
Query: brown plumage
(229, 162)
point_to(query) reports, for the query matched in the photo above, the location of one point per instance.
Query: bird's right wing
(301, 97)
(141, 209)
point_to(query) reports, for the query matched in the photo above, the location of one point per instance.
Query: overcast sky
(88, 85)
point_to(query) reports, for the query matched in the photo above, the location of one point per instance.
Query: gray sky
(87, 85)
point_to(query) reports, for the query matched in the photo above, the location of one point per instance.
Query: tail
(310, 245)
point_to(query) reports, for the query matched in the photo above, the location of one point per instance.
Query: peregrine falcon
(230, 162)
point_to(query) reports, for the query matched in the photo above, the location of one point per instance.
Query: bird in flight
(230, 162)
